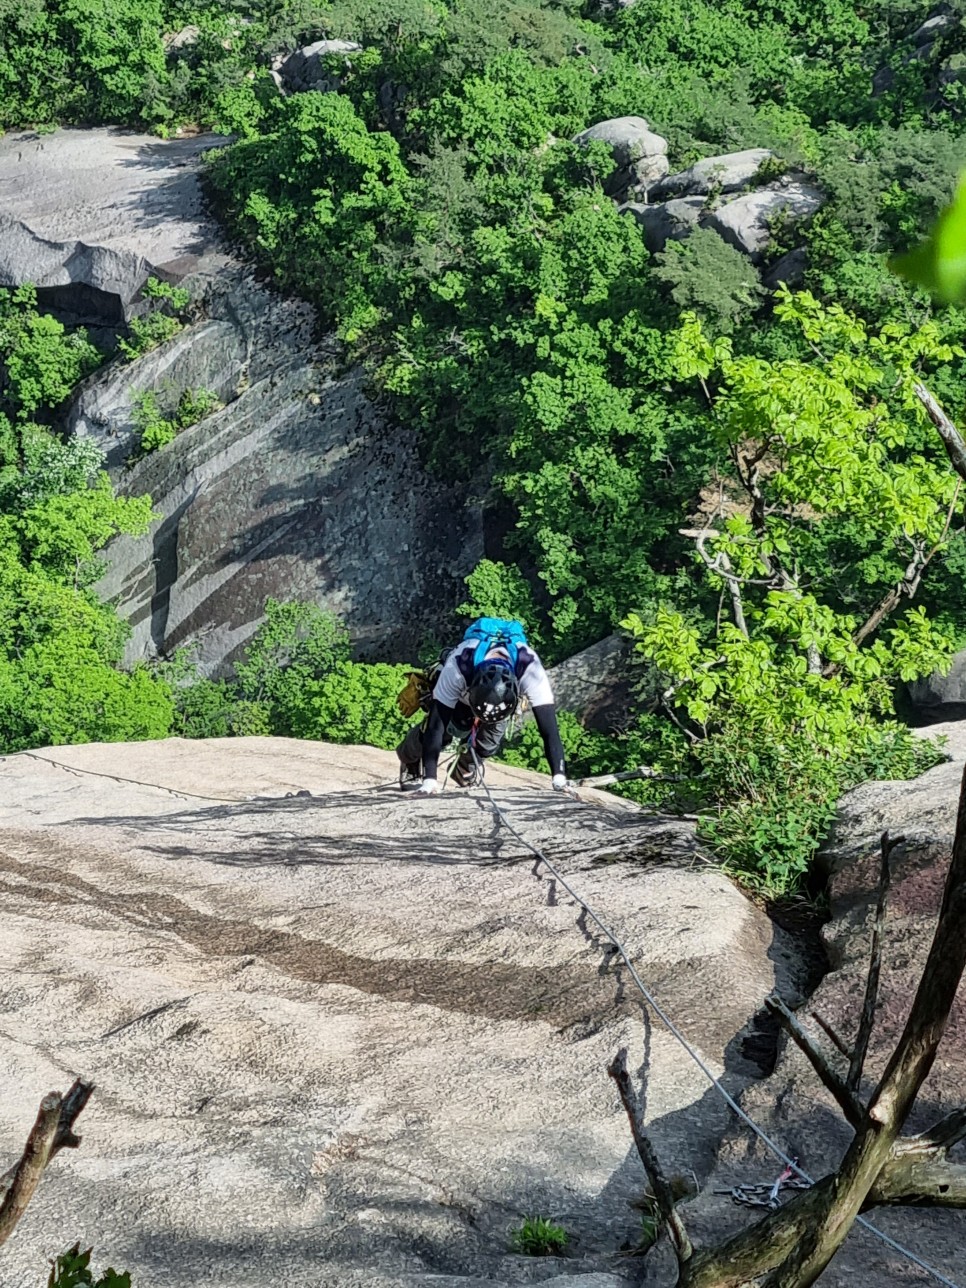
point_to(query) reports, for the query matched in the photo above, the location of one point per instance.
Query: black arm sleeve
(546, 718)
(433, 735)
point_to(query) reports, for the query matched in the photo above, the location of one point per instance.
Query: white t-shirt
(453, 683)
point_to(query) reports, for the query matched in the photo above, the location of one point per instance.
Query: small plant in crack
(539, 1236)
(157, 429)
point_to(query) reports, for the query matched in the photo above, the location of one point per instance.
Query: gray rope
(117, 778)
(676, 1033)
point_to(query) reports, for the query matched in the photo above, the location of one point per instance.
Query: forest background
(745, 480)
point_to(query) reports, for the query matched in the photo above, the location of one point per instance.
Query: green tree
(706, 276)
(788, 698)
(60, 647)
(40, 360)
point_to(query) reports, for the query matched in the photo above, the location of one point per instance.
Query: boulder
(184, 38)
(729, 172)
(124, 207)
(629, 138)
(745, 221)
(953, 70)
(639, 153)
(938, 24)
(666, 220)
(926, 44)
(791, 1105)
(938, 696)
(788, 270)
(345, 1037)
(595, 684)
(305, 69)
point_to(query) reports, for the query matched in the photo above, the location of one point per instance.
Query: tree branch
(70, 1109)
(853, 1111)
(652, 1165)
(30, 1168)
(860, 1050)
(911, 580)
(827, 1029)
(950, 435)
(916, 1180)
(791, 1247)
(905, 1073)
(720, 565)
(941, 1137)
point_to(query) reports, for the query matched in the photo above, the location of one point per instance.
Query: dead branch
(853, 1111)
(655, 1173)
(833, 1037)
(31, 1166)
(950, 435)
(52, 1132)
(949, 1131)
(915, 1180)
(641, 771)
(857, 1063)
(791, 1246)
(897, 1090)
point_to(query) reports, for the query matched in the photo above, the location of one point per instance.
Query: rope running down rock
(676, 1032)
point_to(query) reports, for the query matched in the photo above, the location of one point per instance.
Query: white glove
(429, 787)
(559, 782)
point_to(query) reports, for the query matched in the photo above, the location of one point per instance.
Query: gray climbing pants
(489, 737)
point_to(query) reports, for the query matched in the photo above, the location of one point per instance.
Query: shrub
(158, 430)
(539, 1236)
(164, 321)
(72, 1270)
(354, 703)
(40, 360)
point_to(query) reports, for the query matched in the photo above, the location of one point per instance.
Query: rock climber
(475, 694)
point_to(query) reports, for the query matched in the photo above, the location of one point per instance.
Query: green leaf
(939, 263)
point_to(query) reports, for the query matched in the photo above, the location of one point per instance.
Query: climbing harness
(791, 1165)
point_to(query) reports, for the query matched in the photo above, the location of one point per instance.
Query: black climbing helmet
(493, 691)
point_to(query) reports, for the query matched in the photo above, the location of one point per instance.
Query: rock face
(666, 221)
(791, 1105)
(298, 488)
(941, 697)
(304, 70)
(123, 206)
(744, 221)
(729, 172)
(639, 153)
(348, 1038)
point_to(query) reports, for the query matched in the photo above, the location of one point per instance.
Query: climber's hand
(560, 783)
(430, 787)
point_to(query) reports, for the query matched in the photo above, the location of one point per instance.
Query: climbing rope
(675, 1032)
(116, 778)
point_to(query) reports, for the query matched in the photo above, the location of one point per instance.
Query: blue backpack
(496, 632)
